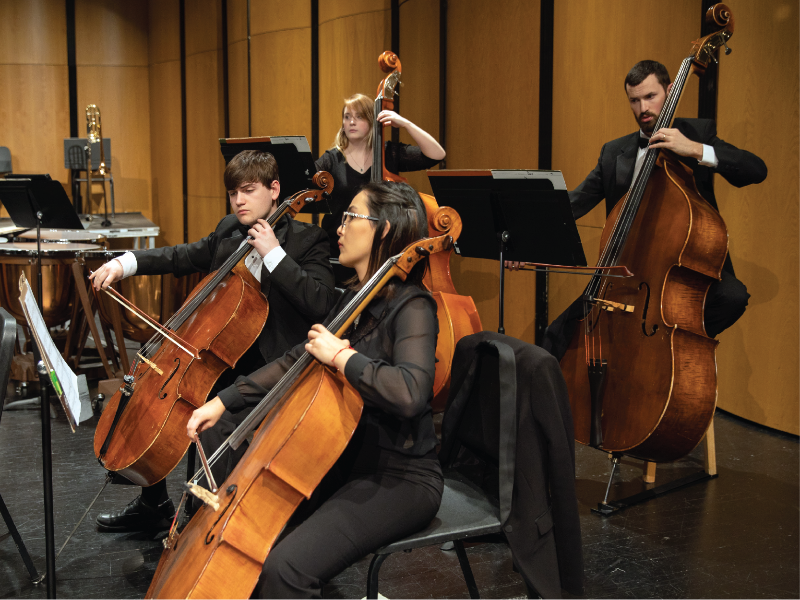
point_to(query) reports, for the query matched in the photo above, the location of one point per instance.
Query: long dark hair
(401, 206)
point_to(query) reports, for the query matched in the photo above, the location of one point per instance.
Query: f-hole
(161, 393)
(231, 490)
(644, 312)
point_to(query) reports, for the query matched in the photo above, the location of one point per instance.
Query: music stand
(512, 215)
(295, 163)
(38, 201)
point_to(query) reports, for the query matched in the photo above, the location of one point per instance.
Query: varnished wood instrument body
(147, 438)
(150, 438)
(458, 315)
(644, 382)
(305, 429)
(220, 554)
(661, 384)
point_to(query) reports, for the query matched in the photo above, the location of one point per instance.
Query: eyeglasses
(348, 216)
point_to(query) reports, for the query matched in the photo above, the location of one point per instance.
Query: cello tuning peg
(714, 58)
(727, 50)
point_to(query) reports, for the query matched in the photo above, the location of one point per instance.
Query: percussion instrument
(158, 296)
(62, 236)
(57, 283)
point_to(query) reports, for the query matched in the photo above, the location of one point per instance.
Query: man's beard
(648, 128)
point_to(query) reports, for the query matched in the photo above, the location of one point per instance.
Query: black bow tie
(643, 142)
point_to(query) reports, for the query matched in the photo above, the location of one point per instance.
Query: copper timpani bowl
(158, 296)
(58, 286)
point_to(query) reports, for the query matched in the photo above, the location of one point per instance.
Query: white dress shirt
(253, 261)
(709, 157)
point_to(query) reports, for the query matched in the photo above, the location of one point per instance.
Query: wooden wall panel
(34, 102)
(237, 68)
(278, 15)
(351, 37)
(165, 119)
(121, 94)
(758, 110)
(237, 89)
(419, 53)
(281, 68)
(492, 122)
(595, 45)
(112, 69)
(34, 32)
(34, 119)
(204, 117)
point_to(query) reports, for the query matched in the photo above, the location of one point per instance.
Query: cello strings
(188, 308)
(613, 249)
(629, 210)
(269, 401)
(615, 245)
(638, 189)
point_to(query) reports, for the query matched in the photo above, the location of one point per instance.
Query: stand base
(605, 509)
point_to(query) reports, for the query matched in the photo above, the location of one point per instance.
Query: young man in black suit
(292, 264)
(696, 143)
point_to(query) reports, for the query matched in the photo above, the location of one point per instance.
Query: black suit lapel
(225, 248)
(626, 160)
(624, 163)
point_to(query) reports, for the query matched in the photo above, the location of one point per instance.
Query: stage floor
(732, 537)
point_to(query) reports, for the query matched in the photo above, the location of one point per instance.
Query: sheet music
(67, 381)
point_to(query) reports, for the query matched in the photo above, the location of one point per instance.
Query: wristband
(333, 360)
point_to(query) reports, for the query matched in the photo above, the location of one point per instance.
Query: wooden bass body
(660, 389)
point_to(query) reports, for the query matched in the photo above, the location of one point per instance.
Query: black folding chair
(467, 510)
(8, 336)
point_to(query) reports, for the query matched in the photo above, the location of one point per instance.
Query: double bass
(458, 316)
(142, 432)
(640, 369)
(306, 421)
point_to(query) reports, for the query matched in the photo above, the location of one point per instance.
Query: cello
(306, 421)
(141, 433)
(640, 369)
(458, 316)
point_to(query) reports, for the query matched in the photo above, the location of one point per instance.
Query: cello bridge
(611, 306)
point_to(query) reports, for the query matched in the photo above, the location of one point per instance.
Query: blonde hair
(363, 106)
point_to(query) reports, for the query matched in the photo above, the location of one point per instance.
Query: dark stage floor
(732, 537)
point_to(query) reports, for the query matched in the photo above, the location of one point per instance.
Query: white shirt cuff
(709, 157)
(128, 262)
(274, 257)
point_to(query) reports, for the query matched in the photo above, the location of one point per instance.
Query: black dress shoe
(138, 516)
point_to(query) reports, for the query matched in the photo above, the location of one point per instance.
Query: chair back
(8, 336)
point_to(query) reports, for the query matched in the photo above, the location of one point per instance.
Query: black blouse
(347, 181)
(393, 370)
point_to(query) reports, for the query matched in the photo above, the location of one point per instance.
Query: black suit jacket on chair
(542, 525)
(613, 175)
(300, 290)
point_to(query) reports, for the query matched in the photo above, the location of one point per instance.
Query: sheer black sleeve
(243, 393)
(401, 158)
(403, 385)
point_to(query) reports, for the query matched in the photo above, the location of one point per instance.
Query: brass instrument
(94, 134)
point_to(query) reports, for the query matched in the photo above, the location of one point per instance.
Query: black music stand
(38, 201)
(295, 163)
(511, 215)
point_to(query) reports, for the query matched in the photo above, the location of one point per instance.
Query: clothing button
(508, 528)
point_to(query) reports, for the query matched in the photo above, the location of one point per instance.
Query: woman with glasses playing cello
(388, 483)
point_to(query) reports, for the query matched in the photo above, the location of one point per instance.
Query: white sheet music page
(65, 381)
